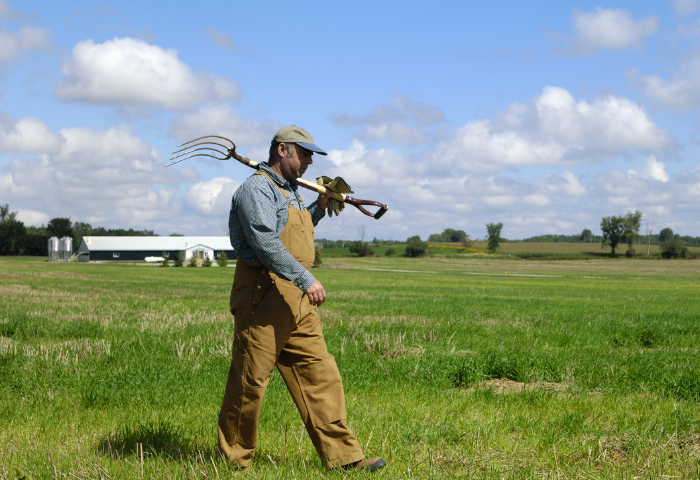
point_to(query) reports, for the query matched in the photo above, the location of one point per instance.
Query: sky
(544, 116)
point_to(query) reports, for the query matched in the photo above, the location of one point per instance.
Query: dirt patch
(503, 386)
(338, 265)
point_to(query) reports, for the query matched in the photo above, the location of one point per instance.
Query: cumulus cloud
(404, 121)
(14, 44)
(555, 130)
(609, 29)
(28, 135)
(96, 176)
(212, 198)
(32, 217)
(681, 91)
(128, 71)
(651, 169)
(221, 119)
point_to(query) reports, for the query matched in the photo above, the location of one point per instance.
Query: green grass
(453, 368)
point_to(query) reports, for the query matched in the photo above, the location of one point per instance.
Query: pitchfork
(207, 148)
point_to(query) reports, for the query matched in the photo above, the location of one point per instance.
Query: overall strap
(289, 200)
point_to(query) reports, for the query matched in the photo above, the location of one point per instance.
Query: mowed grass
(453, 368)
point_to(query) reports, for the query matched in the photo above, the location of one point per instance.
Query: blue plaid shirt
(258, 215)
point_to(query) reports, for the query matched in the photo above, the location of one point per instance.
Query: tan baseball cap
(294, 134)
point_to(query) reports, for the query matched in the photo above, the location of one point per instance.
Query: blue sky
(545, 117)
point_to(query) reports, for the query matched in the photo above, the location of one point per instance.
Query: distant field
(453, 368)
(592, 249)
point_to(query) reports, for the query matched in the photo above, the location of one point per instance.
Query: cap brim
(312, 146)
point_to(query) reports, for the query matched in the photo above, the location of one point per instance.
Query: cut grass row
(100, 362)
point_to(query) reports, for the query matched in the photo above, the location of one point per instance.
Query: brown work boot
(366, 465)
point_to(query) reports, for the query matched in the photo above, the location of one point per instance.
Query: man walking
(273, 302)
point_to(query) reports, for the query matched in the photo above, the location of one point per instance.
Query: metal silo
(53, 249)
(65, 249)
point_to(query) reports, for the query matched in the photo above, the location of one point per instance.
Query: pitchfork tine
(195, 155)
(226, 155)
(210, 136)
(202, 143)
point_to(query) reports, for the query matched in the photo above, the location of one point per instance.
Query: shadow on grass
(160, 438)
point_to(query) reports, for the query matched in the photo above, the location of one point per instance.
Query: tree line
(18, 239)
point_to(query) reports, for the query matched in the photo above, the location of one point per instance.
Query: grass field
(545, 250)
(453, 368)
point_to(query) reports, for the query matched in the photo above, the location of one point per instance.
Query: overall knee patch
(322, 391)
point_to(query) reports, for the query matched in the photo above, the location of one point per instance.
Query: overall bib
(275, 325)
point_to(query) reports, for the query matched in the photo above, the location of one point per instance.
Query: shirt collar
(278, 179)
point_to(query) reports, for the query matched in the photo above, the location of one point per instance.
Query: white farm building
(138, 248)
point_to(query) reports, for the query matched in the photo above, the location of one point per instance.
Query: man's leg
(313, 380)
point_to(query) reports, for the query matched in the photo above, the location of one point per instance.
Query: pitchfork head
(205, 149)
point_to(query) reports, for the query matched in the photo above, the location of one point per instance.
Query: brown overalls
(276, 325)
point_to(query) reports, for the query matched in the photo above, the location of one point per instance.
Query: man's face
(294, 167)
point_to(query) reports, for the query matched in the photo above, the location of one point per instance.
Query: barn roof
(154, 243)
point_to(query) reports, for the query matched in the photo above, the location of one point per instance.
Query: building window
(115, 254)
(166, 254)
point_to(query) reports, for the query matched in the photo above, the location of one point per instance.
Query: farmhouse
(139, 248)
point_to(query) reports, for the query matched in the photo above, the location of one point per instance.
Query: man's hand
(322, 200)
(316, 294)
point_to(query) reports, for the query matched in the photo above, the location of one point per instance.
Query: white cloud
(212, 197)
(99, 176)
(405, 122)
(221, 119)
(32, 217)
(681, 91)
(610, 29)
(686, 7)
(555, 130)
(651, 169)
(14, 44)
(29, 134)
(128, 71)
(6, 10)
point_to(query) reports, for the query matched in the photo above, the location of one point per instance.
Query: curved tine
(211, 136)
(226, 156)
(195, 155)
(201, 143)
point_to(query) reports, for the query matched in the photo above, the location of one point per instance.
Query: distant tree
(192, 262)
(494, 236)
(390, 252)
(179, 261)
(586, 235)
(649, 224)
(633, 222)
(614, 229)
(318, 260)
(13, 233)
(362, 231)
(361, 249)
(176, 235)
(415, 247)
(673, 249)
(665, 235)
(447, 235)
(222, 260)
(165, 262)
(207, 261)
(467, 242)
(60, 227)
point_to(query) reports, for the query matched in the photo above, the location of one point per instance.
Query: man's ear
(282, 150)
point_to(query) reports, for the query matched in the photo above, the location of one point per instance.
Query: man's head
(291, 150)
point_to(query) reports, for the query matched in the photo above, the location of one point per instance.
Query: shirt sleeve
(317, 213)
(257, 213)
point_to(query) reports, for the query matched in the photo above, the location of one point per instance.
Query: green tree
(447, 235)
(494, 236)
(192, 262)
(222, 260)
(13, 235)
(632, 222)
(614, 229)
(60, 227)
(415, 247)
(178, 259)
(361, 249)
(665, 235)
(586, 235)
(673, 248)
(390, 252)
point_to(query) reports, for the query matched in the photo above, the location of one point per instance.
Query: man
(273, 302)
